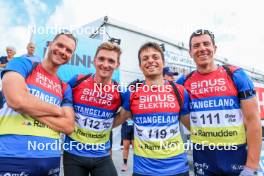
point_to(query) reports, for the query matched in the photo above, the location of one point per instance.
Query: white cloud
(4, 10)
(237, 26)
(33, 8)
(247, 46)
(17, 36)
(238, 32)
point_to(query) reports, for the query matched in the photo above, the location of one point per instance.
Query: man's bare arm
(121, 117)
(252, 122)
(185, 119)
(64, 124)
(2, 65)
(19, 98)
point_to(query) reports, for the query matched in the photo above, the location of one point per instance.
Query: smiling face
(61, 50)
(202, 50)
(105, 62)
(151, 62)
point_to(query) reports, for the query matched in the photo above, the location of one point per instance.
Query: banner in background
(260, 97)
(179, 62)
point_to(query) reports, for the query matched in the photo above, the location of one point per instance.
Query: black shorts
(83, 166)
(127, 131)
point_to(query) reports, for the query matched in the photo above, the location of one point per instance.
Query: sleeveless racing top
(158, 146)
(95, 108)
(216, 118)
(22, 135)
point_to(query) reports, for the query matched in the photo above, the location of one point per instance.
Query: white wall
(130, 44)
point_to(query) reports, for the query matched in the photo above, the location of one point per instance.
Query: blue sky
(237, 24)
(30, 11)
(16, 17)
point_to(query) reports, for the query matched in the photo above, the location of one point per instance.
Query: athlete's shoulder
(133, 86)
(80, 76)
(64, 84)
(20, 65)
(22, 60)
(77, 79)
(179, 86)
(231, 68)
(235, 72)
(181, 79)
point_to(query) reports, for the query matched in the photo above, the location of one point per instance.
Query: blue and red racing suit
(217, 127)
(158, 146)
(24, 141)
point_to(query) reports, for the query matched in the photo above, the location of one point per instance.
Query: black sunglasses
(67, 33)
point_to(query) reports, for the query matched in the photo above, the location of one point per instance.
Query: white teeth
(151, 67)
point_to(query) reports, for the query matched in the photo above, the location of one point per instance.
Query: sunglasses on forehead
(67, 33)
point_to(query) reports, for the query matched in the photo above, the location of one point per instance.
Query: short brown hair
(68, 34)
(110, 47)
(150, 45)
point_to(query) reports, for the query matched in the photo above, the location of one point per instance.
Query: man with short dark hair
(156, 107)
(38, 107)
(95, 111)
(225, 122)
